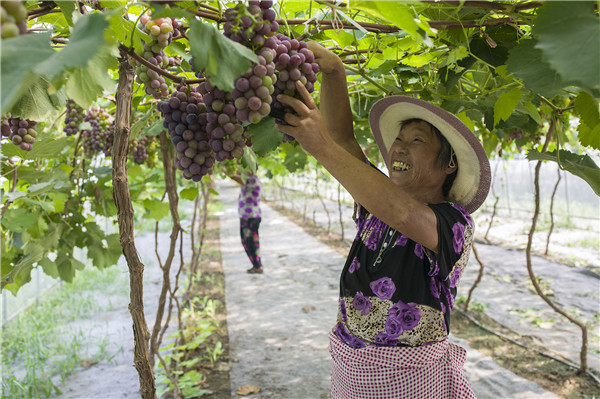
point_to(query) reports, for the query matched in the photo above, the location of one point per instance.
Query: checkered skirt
(432, 371)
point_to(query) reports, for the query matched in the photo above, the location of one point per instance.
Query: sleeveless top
(393, 291)
(249, 199)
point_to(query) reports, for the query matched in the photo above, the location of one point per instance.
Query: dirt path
(278, 321)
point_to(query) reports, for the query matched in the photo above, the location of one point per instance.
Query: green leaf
(533, 112)
(295, 157)
(18, 220)
(579, 165)
(505, 105)
(17, 64)
(397, 12)
(265, 137)
(156, 209)
(67, 8)
(222, 59)
(189, 193)
(105, 256)
(49, 267)
(587, 107)
(568, 34)
(526, 63)
(85, 84)
(84, 44)
(589, 137)
(35, 102)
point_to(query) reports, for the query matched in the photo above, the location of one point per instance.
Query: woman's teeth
(400, 166)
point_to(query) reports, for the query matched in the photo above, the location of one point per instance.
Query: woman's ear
(450, 168)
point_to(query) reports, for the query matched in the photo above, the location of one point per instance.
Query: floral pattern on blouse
(249, 199)
(405, 298)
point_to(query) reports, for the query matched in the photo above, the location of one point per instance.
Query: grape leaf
(397, 12)
(588, 136)
(85, 84)
(505, 105)
(295, 157)
(17, 65)
(222, 59)
(49, 267)
(156, 209)
(67, 8)
(265, 137)
(104, 256)
(17, 219)
(568, 33)
(587, 107)
(526, 63)
(85, 42)
(189, 193)
(579, 165)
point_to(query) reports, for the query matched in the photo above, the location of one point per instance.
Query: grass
(38, 347)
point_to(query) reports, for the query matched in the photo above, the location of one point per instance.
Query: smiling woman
(414, 237)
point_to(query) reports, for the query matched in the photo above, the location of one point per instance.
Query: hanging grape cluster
(217, 132)
(226, 134)
(162, 31)
(139, 149)
(21, 132)
(13, 16)
(99, 138)
(73, 118)
(185, 118)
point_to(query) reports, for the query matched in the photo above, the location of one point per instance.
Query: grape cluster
(20, 132)
(13, 17)
(226, 134)
(101, 135)
(250, 26)
(73, 117)
(138, 150)
(162, 31)
(294, 62)
(253, 90)
(185, 118)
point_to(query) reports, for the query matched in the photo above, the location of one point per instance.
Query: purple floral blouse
(249, 199)
(394, 292)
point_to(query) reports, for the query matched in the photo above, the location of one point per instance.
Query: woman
(250, 218)
(414, 237)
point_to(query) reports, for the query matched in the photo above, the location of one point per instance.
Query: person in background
(415, 232)
(250, 217)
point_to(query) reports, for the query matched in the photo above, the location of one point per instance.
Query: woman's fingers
(305, 95)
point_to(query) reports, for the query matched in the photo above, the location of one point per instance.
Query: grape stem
(177, 79)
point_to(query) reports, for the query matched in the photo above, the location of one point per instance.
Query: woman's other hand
(306, 125)
(328, 62)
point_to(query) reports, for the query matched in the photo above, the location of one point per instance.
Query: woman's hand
(306, 125)
(328, 61)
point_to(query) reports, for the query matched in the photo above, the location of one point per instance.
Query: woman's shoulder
(452, 210)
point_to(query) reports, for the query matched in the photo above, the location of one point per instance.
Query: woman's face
(413, 161)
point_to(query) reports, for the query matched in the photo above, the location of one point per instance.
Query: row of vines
(117, 109)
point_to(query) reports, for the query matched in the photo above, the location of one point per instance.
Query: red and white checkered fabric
(432, 371)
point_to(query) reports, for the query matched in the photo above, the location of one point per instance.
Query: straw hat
(472, 183)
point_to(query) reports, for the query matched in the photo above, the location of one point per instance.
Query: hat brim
(472, 182)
